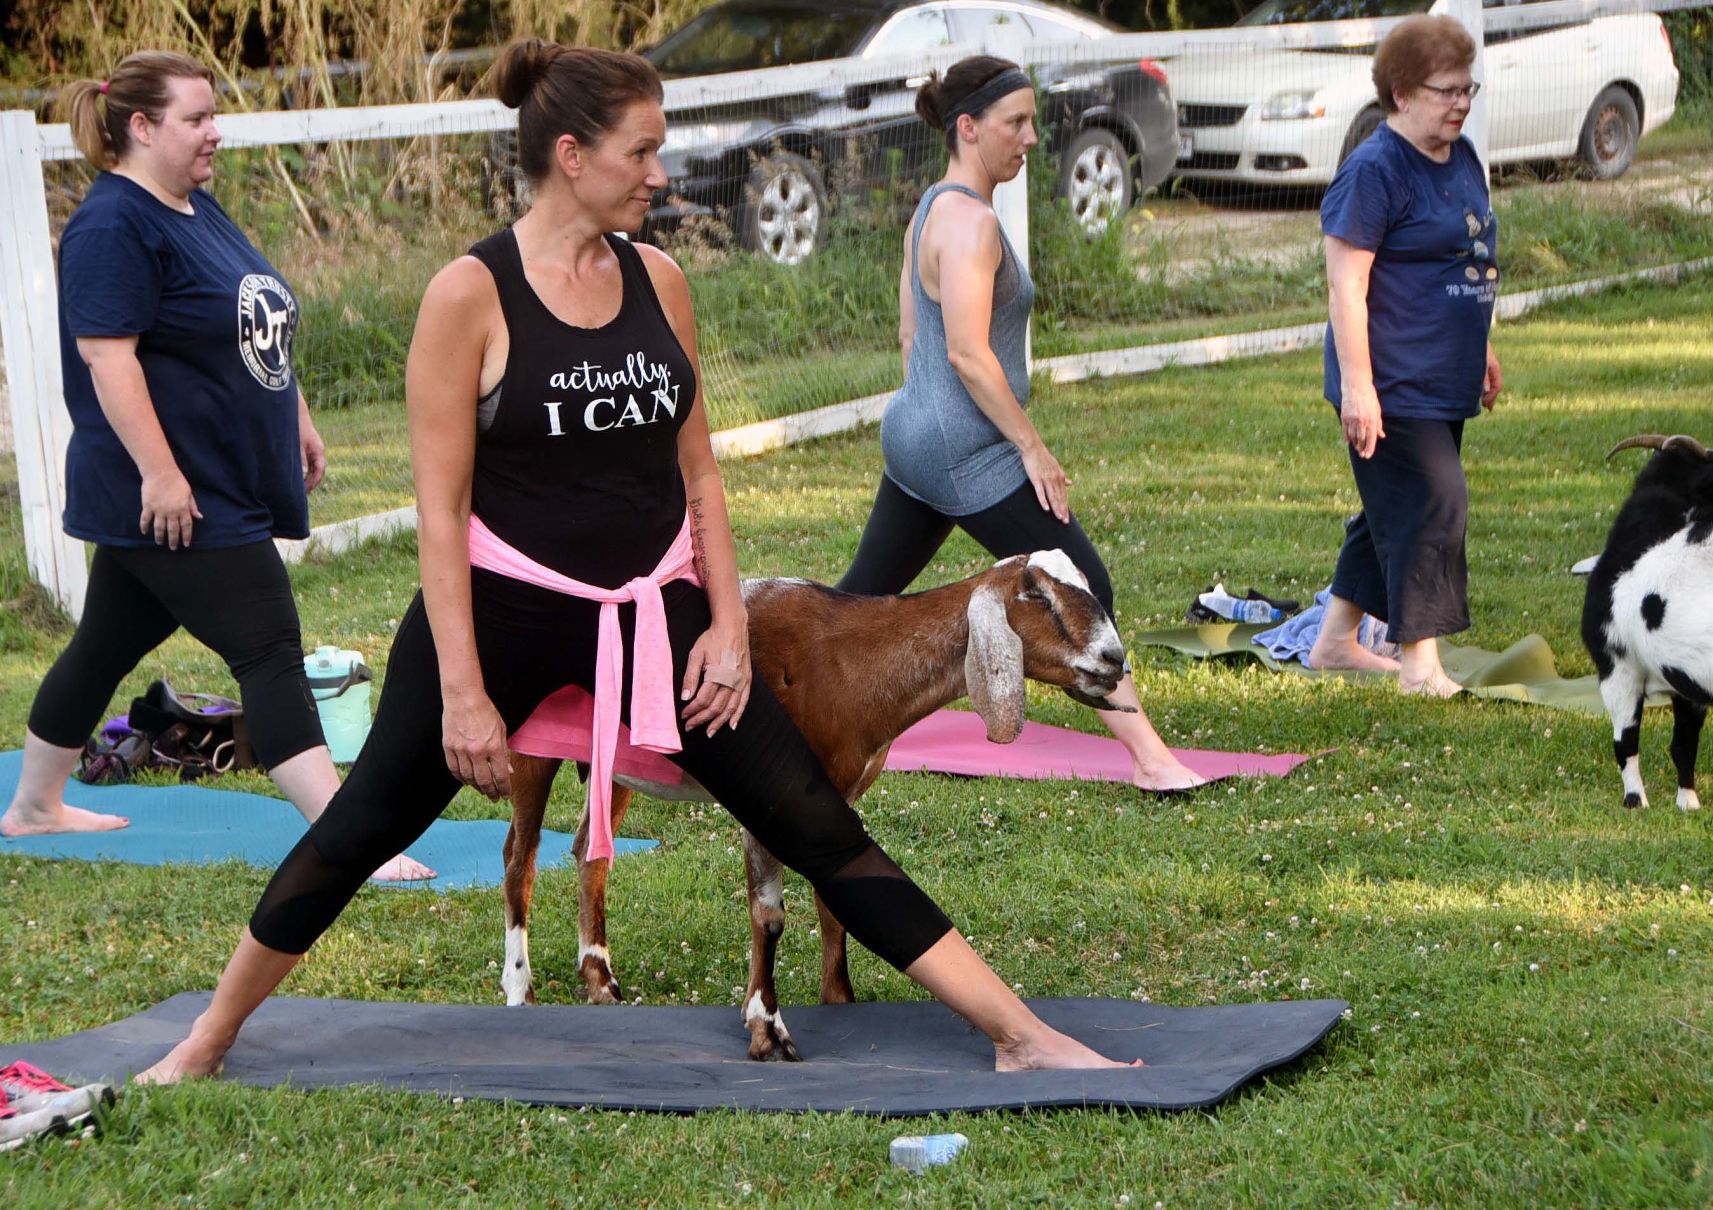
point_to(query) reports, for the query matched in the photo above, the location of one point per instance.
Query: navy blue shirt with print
(1435, 276)
(214, 324)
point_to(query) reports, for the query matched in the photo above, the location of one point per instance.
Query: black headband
(1008, 81)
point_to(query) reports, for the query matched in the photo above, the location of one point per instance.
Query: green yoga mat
(1524, 672)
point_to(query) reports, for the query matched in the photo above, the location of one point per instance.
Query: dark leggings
(236, 600)
(531, 642)
(1403, 557)
(903, 534)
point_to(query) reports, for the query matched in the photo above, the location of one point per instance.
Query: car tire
(1610, 133)
(1366, 123)
(784, 213)
(1096, 180)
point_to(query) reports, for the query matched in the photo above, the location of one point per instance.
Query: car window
(972, 26)
(1051, 29)
(1289, 12)
(740, 39)
(918, 29)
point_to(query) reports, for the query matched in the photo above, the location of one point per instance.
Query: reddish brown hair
(1419, 47)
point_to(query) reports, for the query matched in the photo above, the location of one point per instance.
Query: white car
(1587, 90)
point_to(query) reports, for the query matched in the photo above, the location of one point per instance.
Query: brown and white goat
(853, 672)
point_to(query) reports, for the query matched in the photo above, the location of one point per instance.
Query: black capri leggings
(903, 535)
(236, 600)
(532, 642)
(1403, 558)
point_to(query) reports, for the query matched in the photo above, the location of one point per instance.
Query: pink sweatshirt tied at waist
(653, 706)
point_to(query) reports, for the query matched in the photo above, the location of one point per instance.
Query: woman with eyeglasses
(1412, 276)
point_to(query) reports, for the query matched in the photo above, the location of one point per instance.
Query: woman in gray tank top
(960, 449)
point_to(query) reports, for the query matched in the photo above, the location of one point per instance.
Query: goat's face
(1035, 618)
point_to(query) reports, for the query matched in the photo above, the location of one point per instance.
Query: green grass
(1528, 965)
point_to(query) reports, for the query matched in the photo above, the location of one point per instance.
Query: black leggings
(1403, 557)
(903, 534)
(236, 600)
(532, 642)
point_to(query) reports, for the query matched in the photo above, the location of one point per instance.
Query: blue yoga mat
(197, 825)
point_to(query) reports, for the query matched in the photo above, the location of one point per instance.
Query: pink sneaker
(27, 1089)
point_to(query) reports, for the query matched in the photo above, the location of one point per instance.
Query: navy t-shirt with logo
(1435, 276)
(214, 323)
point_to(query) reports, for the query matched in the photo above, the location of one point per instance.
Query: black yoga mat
(894, 1059)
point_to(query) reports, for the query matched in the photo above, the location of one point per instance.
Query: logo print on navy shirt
(267, 320)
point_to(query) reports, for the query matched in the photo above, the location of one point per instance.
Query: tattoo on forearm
(698, 540)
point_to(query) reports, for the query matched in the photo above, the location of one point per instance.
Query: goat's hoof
(770, 1041)
(599, 983)
(1635, 801)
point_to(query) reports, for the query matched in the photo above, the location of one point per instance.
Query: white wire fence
(1170, 216)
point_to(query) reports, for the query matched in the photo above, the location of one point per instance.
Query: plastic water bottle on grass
(1238, 609)
(918, 1152)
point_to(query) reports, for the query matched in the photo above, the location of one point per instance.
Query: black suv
(771, 167)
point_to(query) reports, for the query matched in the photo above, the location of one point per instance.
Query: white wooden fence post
(29, 326)
(1011, 199)
(1476, 125)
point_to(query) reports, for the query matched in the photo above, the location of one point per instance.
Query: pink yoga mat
(955, 741)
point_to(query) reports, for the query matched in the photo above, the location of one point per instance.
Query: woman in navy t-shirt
(192, 447)
(1412, 273)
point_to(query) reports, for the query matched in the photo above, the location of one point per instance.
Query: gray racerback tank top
(939, 446)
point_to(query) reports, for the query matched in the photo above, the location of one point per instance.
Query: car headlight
(688, 138)
(1086, 80)
(1299, 103)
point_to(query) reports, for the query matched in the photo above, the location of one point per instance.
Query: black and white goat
(1648, 617)
(853, 672)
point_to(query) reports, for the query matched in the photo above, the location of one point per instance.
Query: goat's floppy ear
(993, 666)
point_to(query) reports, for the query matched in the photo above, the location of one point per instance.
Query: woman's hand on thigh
(717, 678)
(1052, 485)
(473, 737)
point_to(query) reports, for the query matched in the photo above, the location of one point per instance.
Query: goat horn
(1684, 442)
(1646, 441)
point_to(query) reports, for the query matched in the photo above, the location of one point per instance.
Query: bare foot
(1168, 775)
(403, 869)
(19, 822)
(1347, 657)
(1049, 1050)
(1434, 684)
(195, 1058)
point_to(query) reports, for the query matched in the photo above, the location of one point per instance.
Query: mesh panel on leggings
(306, 892)
(883, 909)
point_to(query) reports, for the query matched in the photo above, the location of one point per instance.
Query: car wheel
(1609, 134)
(1095, 179)
(1366, 123)
(784, 215)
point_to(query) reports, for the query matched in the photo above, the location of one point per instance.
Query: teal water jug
(340, 682)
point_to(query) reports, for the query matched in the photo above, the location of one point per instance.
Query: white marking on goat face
(1057, 564)
(514, 979)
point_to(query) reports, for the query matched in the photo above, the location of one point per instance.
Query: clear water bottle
(1237, 608)
(919, 1152)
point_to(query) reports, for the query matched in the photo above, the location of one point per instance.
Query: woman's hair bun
(520, 66)
(929, 106)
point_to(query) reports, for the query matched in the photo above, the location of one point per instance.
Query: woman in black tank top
(558, 430)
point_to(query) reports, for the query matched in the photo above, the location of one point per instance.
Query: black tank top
(577, 448)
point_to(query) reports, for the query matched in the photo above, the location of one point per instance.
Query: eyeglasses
(1450, 92)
